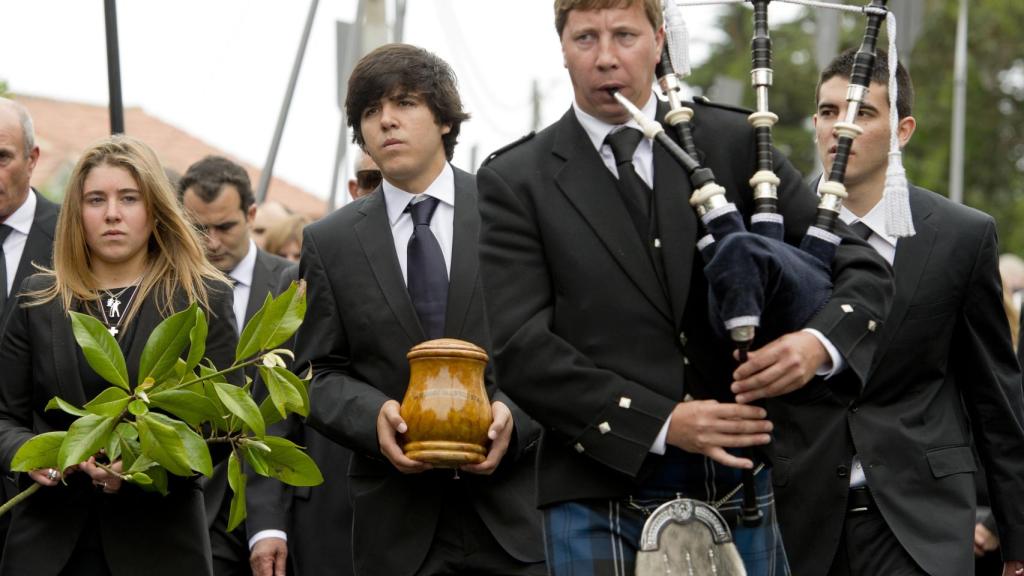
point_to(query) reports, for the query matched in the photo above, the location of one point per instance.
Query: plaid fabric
(601, 537)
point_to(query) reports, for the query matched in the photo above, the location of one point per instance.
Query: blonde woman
(125, 254)
(284, 238)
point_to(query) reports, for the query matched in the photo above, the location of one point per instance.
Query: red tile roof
(64, 129)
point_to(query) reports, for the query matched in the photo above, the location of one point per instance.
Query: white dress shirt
(242, 275)
(14, 245)
(442, 223)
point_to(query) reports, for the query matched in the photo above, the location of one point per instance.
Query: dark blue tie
(427, 273)
(5, 230)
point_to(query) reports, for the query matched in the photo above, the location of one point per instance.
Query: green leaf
(248, 342)
(197, 339)
(160, 441)
(39, 452)
(85, 437)
(124, 433)
(284, 396)
(156, 473)
(111, 402)
(100, 349)
(238, 402)
(300, 385)
(57, 403)
(275, 322)
(141, 479)
(269, 412)
(237, 481)
(291, 465)
(138, 408)
(189, 406)
(193, 451)
(166, 344)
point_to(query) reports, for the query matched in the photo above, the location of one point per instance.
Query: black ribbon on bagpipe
(760, 287)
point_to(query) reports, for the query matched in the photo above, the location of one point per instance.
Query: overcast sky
(219, 68)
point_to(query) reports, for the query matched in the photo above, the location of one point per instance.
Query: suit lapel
(39, 244)
(912, 256)
(591, 189)
(677, 226)
(465, 260)
(374, 234)
(259, 287)
(65, 355)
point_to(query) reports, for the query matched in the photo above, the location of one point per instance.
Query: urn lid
(447, 348)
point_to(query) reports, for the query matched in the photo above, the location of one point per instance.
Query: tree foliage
(994, 139)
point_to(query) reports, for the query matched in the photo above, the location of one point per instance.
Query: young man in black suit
(601, 332)
(27, 223)
(879, 477)
(217, 196)
(384, 273)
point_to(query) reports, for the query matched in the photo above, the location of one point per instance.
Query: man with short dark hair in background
(217, 196)
(878, 477)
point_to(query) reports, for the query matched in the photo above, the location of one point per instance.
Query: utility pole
(956, 156)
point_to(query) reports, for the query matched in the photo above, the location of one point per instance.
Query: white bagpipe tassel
(678, 38)
(898, 220)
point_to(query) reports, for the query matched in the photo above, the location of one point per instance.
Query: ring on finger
(51, 474)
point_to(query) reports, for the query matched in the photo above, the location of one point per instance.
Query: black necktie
(636, 193)
(861, 229)
(5, 230)
(427, 273)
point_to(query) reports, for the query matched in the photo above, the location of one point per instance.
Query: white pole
(956, 157)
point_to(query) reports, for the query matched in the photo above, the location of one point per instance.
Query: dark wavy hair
(842, 67)
(397, 68)
(208, 176)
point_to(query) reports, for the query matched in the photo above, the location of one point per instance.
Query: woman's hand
(109, 483)
(47, 476)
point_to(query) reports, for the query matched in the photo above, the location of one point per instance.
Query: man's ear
(905, 129)
(250, 215)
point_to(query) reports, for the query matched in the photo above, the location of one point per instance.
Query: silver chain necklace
(111, 309)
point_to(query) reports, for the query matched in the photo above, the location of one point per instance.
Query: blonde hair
(652, 9)
(175, 259)
(280, 233)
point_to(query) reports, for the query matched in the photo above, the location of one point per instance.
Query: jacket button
(682, 338)
(842, 471)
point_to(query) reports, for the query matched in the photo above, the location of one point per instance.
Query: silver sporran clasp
(687, 537)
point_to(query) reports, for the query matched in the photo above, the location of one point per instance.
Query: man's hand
(500, 434)
(708, 427)
(389, 425)
(782, 366)
(984, 540)
(269, 557)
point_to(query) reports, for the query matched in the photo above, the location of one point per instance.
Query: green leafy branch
(181, 404)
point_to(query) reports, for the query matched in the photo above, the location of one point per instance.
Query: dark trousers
(463, 544)
(230, 549)
(869, 548)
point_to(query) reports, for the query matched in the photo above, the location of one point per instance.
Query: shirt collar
(442, 188)
(242, 273)
(874, 219)
(21, 219)
(598, 129)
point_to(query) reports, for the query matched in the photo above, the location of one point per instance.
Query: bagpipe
(760, 287)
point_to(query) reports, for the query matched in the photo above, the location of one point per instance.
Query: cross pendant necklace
(113, 330)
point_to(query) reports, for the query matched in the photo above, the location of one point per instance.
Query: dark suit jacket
(266, 275)
(38, 245)
(360, 325)
(317, 519)
(142, 533)
(586, 339)
(945, 362)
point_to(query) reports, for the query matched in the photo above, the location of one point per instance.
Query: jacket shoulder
(964, 216)
(507, 147)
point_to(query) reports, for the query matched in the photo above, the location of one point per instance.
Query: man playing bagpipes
(599, 311)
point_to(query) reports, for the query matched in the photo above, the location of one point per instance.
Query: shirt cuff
(836, 362)
(263, 534)
(659, 443)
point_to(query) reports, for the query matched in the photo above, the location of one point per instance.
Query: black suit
(141, 533)
(38, 250)
(586, 339)
(361, 323)
(944, 363)
(231, 550)
(317, 519)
